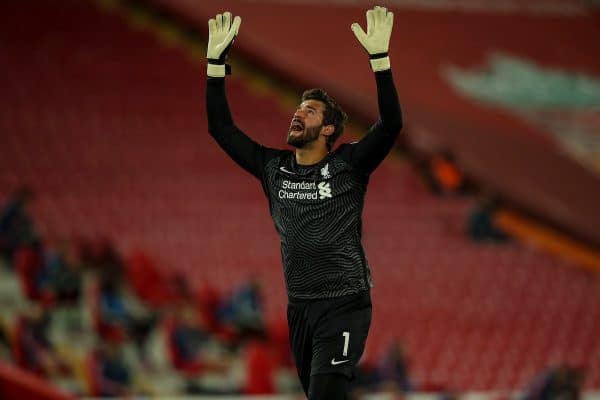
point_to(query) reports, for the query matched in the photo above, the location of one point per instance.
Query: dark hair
(333, 114)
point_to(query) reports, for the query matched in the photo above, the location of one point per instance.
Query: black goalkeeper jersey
(316, 208)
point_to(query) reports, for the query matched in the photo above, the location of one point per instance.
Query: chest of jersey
(317, 213)
(318, 199)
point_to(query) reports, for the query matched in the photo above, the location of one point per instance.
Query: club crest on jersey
(325, 171)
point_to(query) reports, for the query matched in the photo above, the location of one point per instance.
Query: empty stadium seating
(107, 125)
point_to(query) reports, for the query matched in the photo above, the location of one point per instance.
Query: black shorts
(328, 336)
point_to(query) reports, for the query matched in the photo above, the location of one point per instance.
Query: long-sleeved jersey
(317, 209)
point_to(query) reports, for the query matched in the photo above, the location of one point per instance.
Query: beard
(308, 136)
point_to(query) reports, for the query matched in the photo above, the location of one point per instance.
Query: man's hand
(221, 34)
(377, 39)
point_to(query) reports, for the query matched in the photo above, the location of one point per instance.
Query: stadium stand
(107, 125)
(503, 144)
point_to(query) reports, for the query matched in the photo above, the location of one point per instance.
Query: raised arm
(248, 154)
(368, 153)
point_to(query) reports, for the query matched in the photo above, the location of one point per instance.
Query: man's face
(306, 124)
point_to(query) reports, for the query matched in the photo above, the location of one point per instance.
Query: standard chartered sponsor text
(302, 190)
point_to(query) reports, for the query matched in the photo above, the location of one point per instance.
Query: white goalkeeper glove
(377, 39)
(221, 34)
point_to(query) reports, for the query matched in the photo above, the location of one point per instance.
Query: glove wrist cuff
(215, 70)
(378, 55)
(380, 64)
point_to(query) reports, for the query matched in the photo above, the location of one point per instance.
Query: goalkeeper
(316, 196)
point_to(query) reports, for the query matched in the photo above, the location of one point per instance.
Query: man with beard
(316, 198)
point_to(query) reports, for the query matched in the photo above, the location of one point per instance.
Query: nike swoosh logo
(333, 362)
(286, 171)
